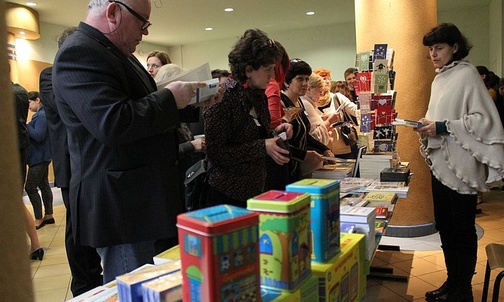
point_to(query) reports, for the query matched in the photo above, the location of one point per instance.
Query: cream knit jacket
(470, 158)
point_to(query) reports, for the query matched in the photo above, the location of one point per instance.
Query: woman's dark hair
(253, 49)
(297, 67)
(33, 95)
(219, 73)
(450, 34)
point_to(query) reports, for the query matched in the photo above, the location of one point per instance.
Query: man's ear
(112, 12)
(455, 48)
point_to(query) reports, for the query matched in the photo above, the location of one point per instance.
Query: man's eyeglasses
(145, 23)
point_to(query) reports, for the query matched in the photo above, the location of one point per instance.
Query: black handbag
(196, 185)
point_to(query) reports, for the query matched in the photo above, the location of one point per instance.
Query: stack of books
(355, 185)
(360, 220)
(398, 187)
(338, 170)
(372, 164)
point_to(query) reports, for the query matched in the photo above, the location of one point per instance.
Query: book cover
(384, 132)
(399, 188)
(365, 99)
(385, 197)
(382, 212)
(380, 225)
(363, 81)
(363, 60)
(382, 100)
(380, 82)
(409, 123)
(380, 52)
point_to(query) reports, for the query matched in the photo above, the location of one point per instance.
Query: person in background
(156, 59)
(499, 103)
(462, 141)
(84, 261)
(490, 79)
(122, 137)
(305, 149)
(277, 175)
(351, 79)
(328, 104)
(319, 128)
(39, 157)
(341, 87)
(20, 97)
(237, 130)
(220, 74)
(188, 147)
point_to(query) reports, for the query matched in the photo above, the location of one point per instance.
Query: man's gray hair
(97, 6)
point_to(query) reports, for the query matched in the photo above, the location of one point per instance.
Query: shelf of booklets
(384, 272)
(356, 188)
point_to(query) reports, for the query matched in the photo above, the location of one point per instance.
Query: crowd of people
(117, 139)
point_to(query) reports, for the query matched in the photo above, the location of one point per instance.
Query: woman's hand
(277, 153)
(429, 127)
(284, 127)
(199, 145)
(328, 153)
(331, 119)
(312, 158)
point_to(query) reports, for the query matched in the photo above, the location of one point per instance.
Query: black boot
(450, 257)
(433, 294)
(456, 294)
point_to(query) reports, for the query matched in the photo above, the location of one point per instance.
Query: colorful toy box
(343, 278)
(284, 238)
(307, 292)
(219, 254)
(325, 220)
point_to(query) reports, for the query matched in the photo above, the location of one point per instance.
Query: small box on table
(343, 278)
(325, 215)
(129, 286)
(284, 238)
(219, 253)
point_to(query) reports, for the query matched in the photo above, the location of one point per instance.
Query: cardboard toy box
(343, 278)
(284, 238)
(219, 253)
(324, 212)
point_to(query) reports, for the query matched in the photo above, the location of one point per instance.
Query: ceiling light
(228, 9)
(31, 3)
(310, 13)
(208, 28)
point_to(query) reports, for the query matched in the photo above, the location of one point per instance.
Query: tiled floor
(420, 259)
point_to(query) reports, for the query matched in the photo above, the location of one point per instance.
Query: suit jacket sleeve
(112, 111)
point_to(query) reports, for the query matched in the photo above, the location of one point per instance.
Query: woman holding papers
(337, 108)
(463, 144)
(306, 150)
(237, 130)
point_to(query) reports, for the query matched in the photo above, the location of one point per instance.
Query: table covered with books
(313, 241)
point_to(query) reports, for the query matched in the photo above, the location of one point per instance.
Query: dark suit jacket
(122, 142)
(57, 131)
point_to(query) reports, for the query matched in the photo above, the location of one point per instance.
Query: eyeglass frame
(146, 23)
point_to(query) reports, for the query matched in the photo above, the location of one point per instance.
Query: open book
(198, 74)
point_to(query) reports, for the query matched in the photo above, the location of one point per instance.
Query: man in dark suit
(122, 139)
(84, 261)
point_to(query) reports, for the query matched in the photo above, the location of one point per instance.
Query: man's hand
(183, 92)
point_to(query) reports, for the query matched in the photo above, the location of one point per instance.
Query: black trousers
(455, 217)
(84, 261)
